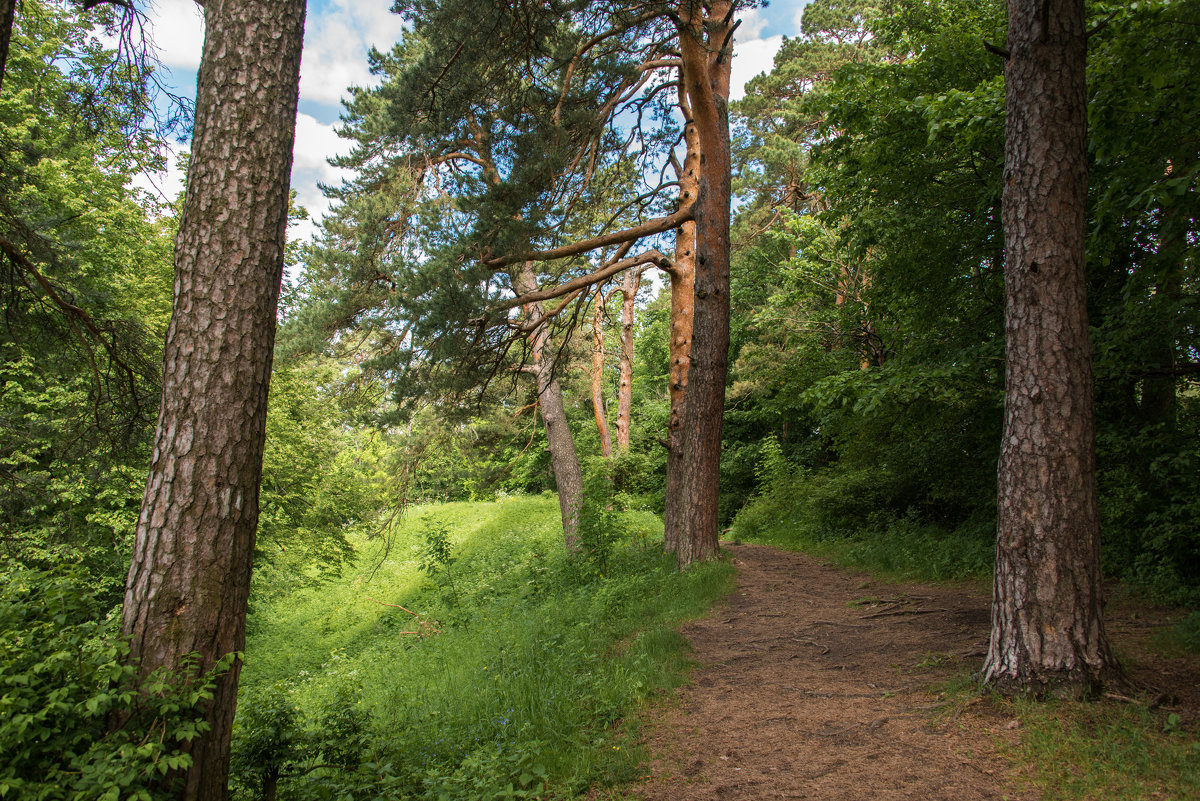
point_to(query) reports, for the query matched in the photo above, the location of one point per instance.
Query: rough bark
(190, 576)
(705, 42)
(630, 284)
(1047, 628)
(564, 459)
(597, 376)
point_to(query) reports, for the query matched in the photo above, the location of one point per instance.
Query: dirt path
(812, 685)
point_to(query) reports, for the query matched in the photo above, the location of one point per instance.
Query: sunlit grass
(520, 677)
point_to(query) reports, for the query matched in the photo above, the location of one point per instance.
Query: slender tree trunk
(597, 376)
(706, 42)
(629, 289)
(190, 575)
(1047, 628)
(564, 460)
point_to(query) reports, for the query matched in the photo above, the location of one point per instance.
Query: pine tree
(497, 134)
(1047, 624)
(190, 577)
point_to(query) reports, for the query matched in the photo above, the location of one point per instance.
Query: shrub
(64, 676)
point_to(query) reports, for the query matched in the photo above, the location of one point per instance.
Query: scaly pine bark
(190, 576)
(1047, 628)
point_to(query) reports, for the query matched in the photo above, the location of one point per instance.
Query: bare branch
(649, 228)
(591, 279)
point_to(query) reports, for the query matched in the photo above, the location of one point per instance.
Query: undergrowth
(471, 658)
(799, 512)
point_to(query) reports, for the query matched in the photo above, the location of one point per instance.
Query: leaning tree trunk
(564, 459)
(190, 576)
(1047, 628)
(705, 43)
(8, 9)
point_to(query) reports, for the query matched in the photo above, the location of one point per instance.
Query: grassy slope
(537, 656)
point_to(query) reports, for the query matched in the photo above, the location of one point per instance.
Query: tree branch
(595, 277)
(996, 50)
(649, 228)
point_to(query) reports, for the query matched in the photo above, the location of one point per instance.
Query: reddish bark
(190, 577)
(597, 376)
(682, 275)
(705, 43)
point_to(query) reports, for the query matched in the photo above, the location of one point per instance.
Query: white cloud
(753, 22)
(749, 59)
(336, 44)
(798, 18)
(177, 29)
(315, 143)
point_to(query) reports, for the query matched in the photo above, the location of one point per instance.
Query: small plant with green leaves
(600, 522)
(65, 677)
(437, 559)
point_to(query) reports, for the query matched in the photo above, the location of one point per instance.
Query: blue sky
(338, 34)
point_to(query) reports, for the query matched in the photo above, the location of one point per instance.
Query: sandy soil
(817, 683)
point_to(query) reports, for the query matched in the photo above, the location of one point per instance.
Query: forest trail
(815, 683)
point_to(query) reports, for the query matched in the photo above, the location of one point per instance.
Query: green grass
(521, 692)
(1182, 637)
(893, 548)
(1118, 752)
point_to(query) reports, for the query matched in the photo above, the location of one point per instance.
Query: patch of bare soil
(818, 683)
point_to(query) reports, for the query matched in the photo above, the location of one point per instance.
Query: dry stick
(420, 620)
(814, 643)
(839, 731)
(901, 612)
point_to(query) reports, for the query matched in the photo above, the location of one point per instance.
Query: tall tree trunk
(190, 575)
(706, 41)
(683, 282)
(629, 289)
(1047, 627)
(597, 376)
(564, 460)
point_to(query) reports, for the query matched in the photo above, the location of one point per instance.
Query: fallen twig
(901, 612)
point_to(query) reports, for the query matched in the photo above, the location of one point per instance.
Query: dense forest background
(864, 402)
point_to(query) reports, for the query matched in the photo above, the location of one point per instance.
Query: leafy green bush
(64, 677)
